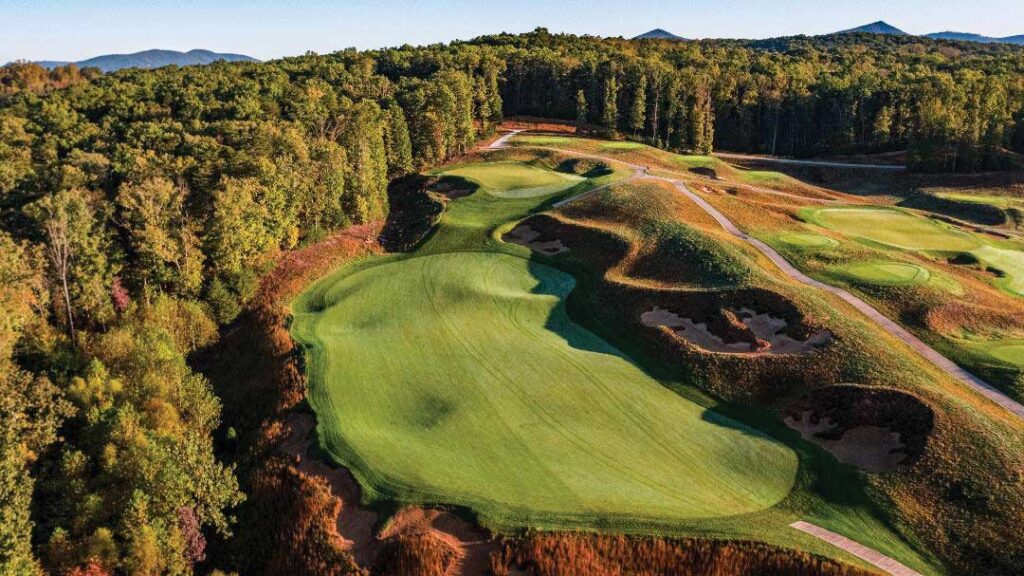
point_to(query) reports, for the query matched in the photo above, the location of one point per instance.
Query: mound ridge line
(929, 353)
(869, 555)
(824, 163)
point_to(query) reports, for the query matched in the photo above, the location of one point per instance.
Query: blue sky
(78, 29)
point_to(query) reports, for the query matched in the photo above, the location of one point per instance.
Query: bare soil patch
(526, 235)
(870, 448)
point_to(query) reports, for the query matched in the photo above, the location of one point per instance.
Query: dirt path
(824, 163)
(502, 141)
(859, 550)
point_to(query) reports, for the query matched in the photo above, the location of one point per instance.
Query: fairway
(892, 227)
(460, 378)
(455, 375)
(515, 179)
(886, 273)
(1009, 262)
(803, 241)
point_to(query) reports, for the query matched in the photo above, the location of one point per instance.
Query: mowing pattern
(459, 378)
(454, 375)
(515, 179)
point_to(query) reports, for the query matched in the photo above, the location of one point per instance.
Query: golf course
(455, 375)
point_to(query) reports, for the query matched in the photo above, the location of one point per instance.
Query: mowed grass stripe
(475, 388)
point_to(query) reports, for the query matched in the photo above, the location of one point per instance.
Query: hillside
(879, 27)
(658, 34)
(151, 59)
(969, 37)
(882, 27)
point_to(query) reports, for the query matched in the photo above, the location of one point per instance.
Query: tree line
(139, 209)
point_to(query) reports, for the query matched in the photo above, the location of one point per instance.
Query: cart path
(932, 355)
(869, 555)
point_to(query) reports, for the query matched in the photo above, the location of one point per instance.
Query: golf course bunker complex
(524, 235)
(748, 332)
(874, 429)
(459, 378)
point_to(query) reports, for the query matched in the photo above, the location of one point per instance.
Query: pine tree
(610, 114)
(581, 110)
(638, 113)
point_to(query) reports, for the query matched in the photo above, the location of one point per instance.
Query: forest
(140, 209)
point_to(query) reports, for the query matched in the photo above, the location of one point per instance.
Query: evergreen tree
(581, 110)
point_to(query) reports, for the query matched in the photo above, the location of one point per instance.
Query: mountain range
(879, 27)
(151, 59)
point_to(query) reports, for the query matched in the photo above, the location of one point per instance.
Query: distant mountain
(876, 28)
(881, 27)
(152, 59)
(968, 37)
(658, 34)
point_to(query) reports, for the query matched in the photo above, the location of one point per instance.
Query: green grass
(760, 176)
(515, 179)
(459, 378)
(621, 145)
(1009, 262)
(892, 227)
(886, 273)
(805, 241)
(454, 375)
(1011, 353)
(992, 200)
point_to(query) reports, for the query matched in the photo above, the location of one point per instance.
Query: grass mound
(886, 273)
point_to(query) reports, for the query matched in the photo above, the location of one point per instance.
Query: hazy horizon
(74, 30)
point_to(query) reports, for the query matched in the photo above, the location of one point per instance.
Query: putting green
(804, 241)
(459, 378)
(624, 145)
(886, 273)
(515, 179)
(1009, 353)
(1009, 262)
(892, 227)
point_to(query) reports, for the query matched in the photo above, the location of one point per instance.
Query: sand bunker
(869, 448)
(525, 235)
(765, 328)
(768, 328)
(695, 333)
